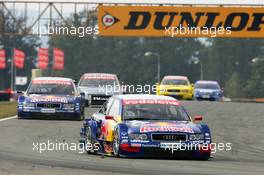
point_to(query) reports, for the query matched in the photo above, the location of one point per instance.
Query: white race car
(98, 87)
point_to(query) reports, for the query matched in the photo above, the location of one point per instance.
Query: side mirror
(109, 117)
(82, 93)
(19, 92)
(75, 81)
(198, 118)
(192, 84)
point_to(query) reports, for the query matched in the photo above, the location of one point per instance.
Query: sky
(241, 2)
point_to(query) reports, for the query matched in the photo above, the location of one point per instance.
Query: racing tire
(81, 117)
(116, 144)
(86, 103)
(89, 140)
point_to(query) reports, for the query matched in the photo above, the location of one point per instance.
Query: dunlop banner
(169, 21)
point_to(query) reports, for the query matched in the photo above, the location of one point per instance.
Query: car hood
(174, 87)
(137, 126)
(106, 90)
(50, 98)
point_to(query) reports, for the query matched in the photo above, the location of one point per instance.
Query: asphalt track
(238, 123)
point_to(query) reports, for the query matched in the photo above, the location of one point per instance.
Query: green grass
(8, 109)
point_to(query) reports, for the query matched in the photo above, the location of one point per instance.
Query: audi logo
(169, 137)
(48, 105)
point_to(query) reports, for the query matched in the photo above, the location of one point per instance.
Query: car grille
(49, 105)
(99, 99)
(169, 137)
(173, 90)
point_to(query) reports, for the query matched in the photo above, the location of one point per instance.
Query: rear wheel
(81, 117)
(116, 144)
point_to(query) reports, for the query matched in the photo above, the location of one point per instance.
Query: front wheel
(116, 144)
(89, 140)
(80, 117)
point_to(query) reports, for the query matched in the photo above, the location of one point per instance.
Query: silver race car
(98, 87)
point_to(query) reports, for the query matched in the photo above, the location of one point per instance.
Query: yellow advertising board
(172, 21)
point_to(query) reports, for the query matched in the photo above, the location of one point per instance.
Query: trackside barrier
(246, 100)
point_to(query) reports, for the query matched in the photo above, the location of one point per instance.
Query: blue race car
(51, 97)
(208, 90)
(145, 126)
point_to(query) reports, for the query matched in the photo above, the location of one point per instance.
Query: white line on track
(8, 118)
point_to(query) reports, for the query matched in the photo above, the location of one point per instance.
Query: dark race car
(146, 125)
(53, 98)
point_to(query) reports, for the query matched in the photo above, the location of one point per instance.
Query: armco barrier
(246, 100)
(5, 96)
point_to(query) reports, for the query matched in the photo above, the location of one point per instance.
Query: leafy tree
(233, 86)
(255, 84)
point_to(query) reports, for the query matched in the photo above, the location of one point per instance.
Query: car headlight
(162, 90)
(28, 105)
(197, 92)
(216, 93)
(196, 137)
(68, 106)
(138, 137)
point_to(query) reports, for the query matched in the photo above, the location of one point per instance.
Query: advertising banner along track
(172, 21)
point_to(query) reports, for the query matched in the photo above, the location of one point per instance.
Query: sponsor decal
(49, 99)
(139, 141)
(164, 20)
(109, 20)
(135, 145)
(166, 145)
(96, 98)
(108, 148)
(99, 77)
(124, 141)
(48, 111)
(124, 136)
(166, 129)
(162, 102)
(175, 78)
(150, 145)
(60, 82)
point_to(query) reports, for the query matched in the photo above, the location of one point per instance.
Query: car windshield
(206, 86)
(98, 82)
(154, 112)
(56, 89)
(174, 82)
